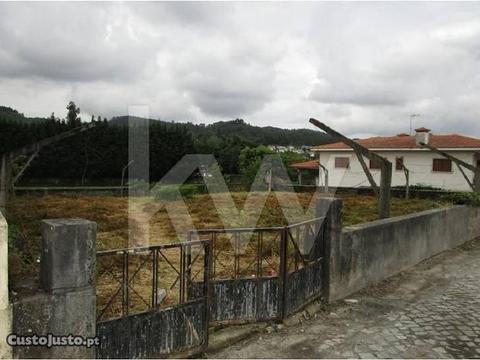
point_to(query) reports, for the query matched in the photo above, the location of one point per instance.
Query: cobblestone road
(431, 311)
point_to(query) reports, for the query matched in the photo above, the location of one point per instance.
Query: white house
(426, 167)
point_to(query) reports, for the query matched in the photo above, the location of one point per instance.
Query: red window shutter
(442, 165)
(342, 162)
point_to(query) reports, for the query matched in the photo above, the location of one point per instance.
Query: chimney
(422, 135)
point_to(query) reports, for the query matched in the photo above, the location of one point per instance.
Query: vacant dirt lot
(115, 231)
(111, 215)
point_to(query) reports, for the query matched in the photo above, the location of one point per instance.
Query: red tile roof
(312, 164)
(402, 141)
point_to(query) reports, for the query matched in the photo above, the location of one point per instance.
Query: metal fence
(155, 300)
(243, 252)
(148, 278)
(263, 273)
(143, 306)
(244, 278)
(304, 255)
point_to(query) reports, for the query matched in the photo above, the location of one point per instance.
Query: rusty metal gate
(244, 280)
(263, 273)
(157, 300)
(303, 272)
(143, 306)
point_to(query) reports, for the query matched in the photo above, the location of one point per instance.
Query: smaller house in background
(307, 167)
(426, 167)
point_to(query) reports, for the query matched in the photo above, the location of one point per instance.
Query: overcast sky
(360, 67)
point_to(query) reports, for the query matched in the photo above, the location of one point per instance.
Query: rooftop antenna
(412, 116)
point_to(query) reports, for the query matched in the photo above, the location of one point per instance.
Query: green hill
(268, 135)
(257, 135)
(102, 152)
(7, 114)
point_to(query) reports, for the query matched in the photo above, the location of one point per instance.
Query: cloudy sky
(360, 67)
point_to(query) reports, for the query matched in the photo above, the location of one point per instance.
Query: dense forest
(102, 152)
(254, 134)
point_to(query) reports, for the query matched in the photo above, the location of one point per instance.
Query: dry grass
(361, 209)
(111, 216)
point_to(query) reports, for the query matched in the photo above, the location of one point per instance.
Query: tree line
(102, 152)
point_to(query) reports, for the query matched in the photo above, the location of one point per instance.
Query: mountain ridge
(239, 128)
(261, 135)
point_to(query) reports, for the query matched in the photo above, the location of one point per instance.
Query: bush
(419, 187)
(169, 192)
(463, 198)
(190, 190)
(250, 160)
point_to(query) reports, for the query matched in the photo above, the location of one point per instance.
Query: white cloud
(361, 67)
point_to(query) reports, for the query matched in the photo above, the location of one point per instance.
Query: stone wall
(5, 310)
(368, 253)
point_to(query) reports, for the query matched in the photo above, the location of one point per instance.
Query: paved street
(430, 311)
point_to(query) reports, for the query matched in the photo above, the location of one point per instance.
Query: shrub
(250, 160)
(419, 186)
(169, 192)
(463, 198)
(190, 190)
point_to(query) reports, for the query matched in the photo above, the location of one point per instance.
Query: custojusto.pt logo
(50, 340)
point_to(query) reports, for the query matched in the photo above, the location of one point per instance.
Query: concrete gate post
(331, 208)
(67, 305)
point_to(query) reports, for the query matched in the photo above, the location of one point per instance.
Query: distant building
(304, 149)
(308, 167)
(426, 167)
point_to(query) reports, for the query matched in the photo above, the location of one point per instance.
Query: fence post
(67, 304)
(68, 272)
(5, 309)
(331, 208)
(207, 286)
(282, 276)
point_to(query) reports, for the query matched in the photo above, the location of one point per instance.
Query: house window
(442, 165)
(399, 163)
(375, 164)
(342, 162)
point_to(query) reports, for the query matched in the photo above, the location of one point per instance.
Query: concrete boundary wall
(368, 253)
(5, 309)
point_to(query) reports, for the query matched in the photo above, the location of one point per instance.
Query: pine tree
(72, 115)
